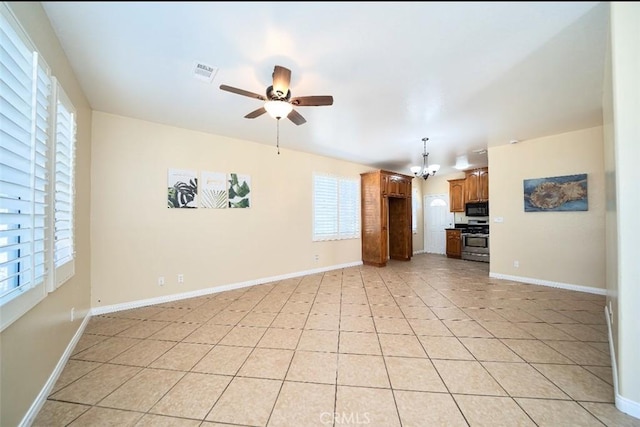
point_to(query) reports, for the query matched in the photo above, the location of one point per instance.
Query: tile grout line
(295, 349)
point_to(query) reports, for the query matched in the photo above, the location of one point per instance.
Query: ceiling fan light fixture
(278, 109)
(425, 171)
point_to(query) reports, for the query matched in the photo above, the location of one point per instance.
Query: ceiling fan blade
(281, 81)
(296, 118)
(242, 92)
(311, 101)
(256, 113)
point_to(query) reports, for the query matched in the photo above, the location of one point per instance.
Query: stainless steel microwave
(477, 209)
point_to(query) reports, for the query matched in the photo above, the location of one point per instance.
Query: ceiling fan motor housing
(277, 95)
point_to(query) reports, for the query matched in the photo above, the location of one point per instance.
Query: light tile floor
(430, 342)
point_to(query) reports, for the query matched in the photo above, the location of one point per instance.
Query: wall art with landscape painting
(560, 193)
(182, 189)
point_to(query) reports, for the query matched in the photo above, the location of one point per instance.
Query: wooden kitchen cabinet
(457, 193)
(385, 217)
(454, 243)
(477, 185)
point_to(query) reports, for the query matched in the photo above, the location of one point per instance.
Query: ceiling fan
(278, 100)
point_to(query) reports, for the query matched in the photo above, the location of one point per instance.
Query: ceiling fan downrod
(278, 134)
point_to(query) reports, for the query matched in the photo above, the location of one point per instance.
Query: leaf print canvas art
(182, 189)
(239, 190)
(213, 190)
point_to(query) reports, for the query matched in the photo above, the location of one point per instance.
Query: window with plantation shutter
(348, 208)
(65, 138)
(414, 210)
(336, 208)
(24, 126)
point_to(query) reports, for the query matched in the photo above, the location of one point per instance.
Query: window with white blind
(24, 134)
(65, 137)
(336, 207)
(414, 210)
(35, 174)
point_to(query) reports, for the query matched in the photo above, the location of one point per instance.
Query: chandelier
(425, 171)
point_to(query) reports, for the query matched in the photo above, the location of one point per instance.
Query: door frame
(425, 209)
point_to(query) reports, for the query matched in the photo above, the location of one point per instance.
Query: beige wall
(560, 247)
(625, 290)
(439, 184)
(136, 238)
(32, 346)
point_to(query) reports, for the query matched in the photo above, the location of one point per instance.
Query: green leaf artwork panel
(239, 190)
(182, 189)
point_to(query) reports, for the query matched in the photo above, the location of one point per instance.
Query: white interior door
(436, 218)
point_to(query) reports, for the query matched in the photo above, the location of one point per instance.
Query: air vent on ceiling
(204, 72)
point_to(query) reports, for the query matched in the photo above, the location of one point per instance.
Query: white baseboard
(623, 404)
(40, 400)
(568, 286)
(176, 297)
(422, 251)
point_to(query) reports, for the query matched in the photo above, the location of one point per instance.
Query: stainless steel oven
(475, 246)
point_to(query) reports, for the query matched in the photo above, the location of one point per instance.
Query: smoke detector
(204, 72)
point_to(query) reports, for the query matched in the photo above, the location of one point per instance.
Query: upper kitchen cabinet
(457, 195)
(477, 185)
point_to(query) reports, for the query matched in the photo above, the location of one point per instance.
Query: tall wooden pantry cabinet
(386, 217)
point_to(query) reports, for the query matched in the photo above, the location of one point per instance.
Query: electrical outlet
(316, 257)
(72, 315)
(180, 278)
(516, 264)
(161, 280)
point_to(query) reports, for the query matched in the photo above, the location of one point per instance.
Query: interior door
(436, 218)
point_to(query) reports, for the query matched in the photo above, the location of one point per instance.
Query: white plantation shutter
(25, 88)
(325, 207)
(414, 210)
(65, 137)
(349, 209)
(336, 208)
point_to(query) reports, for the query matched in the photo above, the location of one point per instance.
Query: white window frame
(29, 123)
(336, 207)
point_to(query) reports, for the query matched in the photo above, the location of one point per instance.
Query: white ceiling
(467, 75)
